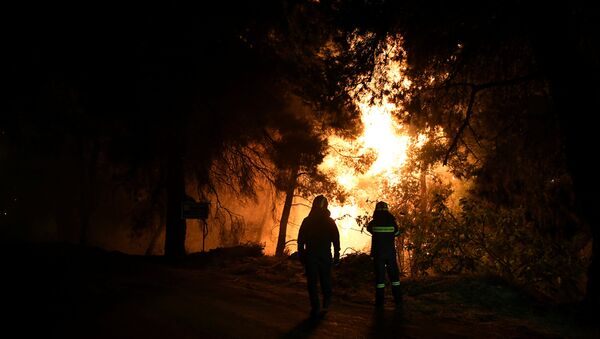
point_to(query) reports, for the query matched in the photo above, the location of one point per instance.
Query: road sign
(194, 210)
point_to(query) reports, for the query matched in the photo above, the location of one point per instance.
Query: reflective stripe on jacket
(383, 229)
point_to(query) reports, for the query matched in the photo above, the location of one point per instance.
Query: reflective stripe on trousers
(383, 229)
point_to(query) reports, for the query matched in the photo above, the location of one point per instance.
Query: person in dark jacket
(317, 232)
(384, 230)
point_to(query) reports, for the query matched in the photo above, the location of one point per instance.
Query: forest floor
(61, 291)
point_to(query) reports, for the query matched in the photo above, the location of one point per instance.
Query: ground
(59, 290)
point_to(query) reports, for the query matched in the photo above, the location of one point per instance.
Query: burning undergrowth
(353, 277)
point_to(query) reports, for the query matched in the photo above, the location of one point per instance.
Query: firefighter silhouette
(316, 235)
(384, 230)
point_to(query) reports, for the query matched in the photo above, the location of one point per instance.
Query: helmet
(320, 202)
(381, 206)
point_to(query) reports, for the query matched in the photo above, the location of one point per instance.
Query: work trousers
(387, 264)
(318, 272)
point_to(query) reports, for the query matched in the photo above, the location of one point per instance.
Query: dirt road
(183, 303)
(205, 304)
(116, 296)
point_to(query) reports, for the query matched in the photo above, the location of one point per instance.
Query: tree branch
(474, 89)
(464, 124)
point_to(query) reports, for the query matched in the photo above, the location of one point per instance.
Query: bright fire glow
(383, 141)
(382, 136)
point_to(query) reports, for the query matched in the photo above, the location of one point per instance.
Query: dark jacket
(317, 232)
(384, 230)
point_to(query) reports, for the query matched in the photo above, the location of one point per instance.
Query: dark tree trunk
(156, 233)
(175, 228)
(89, 163)
(285, 215)
(574, 103)
(573, 78)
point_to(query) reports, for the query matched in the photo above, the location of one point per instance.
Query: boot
(397, 293)
(379, 293)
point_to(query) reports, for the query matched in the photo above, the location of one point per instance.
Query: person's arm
(370, 227)
(301, 241)
(397, 230)
(336, 241)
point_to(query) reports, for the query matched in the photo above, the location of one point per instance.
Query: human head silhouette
(381, 206)
(320, 202)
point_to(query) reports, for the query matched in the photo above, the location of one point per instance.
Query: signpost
(194, 210)
(191, 209)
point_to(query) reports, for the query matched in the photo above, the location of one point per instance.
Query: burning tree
(470, 121)
(296, 153)
(483, 110)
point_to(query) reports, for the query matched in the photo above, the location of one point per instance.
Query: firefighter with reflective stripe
(384, 230)
(316, 235)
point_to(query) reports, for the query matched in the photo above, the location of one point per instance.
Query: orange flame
(383, 138)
